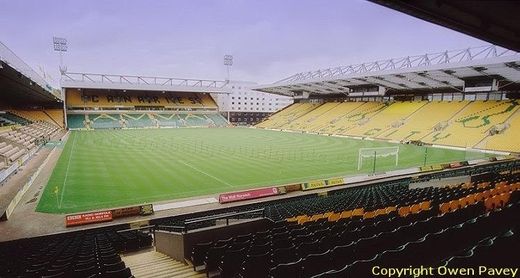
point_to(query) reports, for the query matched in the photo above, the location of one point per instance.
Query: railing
(10, 58)
(141, 80)
(150, 229)
(227, 216)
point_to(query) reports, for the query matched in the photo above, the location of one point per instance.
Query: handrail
(209, 217)
(136, 229)
(222, 216)
(226, 216)
(170, 227)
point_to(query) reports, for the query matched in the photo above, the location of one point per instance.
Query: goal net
(370, 153)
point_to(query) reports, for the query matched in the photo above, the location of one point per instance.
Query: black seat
(260, 249)
(55, 275)
(222, 242)
(256, 266)
(198, 254)
(213, 257)
(86, 272)
(286, 270)
(114, 266)
(307, 248)
(122, 273)
(366, 248)
(343, 255)
(232, 262)
(361, 268)
(284, 255)
(316, 263)
(110, 259)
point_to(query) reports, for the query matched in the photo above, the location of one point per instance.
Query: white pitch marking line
(209, 175)
(67, 170)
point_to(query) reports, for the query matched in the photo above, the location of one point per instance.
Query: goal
(365, 153)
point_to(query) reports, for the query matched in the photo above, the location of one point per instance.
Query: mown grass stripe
(124, 167)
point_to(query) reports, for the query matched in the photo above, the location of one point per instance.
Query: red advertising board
(247, 195)
(87, 218)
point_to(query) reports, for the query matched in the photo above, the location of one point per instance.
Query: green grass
(107, 168)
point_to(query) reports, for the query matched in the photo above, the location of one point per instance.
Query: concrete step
(149, 263)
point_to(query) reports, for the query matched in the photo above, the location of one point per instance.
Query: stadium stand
(100, 99)
(20, 140)
(397, 221)
(503, 140)
(139, 110)
(329, 118)
(144, 120)
(471, 125)
(361, 114)
(391, 117)
(455, 123)
(82, 254)
(350, 230)
(286, 116)
(56, 116)
(13, 119)
(42, 116)
(309, 118)
(430, 116)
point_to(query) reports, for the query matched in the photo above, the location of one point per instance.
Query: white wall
(243, 99)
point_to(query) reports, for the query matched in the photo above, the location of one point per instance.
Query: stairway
(150, 263)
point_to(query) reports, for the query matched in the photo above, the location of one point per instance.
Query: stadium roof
(435, 71)
(141, 83)
(20, 83)
(494, 21)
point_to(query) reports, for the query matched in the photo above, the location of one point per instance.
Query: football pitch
(110, 168)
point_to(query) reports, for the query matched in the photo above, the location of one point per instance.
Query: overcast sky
(269, 39)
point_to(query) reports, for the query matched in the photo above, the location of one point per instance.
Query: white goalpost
(372, 153)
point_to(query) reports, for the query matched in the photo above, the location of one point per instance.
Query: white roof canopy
(429, 71)
(144, 83)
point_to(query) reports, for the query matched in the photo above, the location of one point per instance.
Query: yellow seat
(425, 205)
(454, 205)
(444, 208)
(346, 214)
(358, 212)
(390, 209)
(471, 199)
(292, 219)
(333, 217)
(415, 208)
(302, 219)
(504, 198)
(369, 215)
(404, 211)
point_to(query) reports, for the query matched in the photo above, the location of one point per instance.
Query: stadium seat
(122, 273)
(231, 262)
(199, 253)
(256, 266)
(286, 270)
(316, 263)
